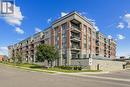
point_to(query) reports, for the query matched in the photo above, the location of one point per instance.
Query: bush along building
(74, 36)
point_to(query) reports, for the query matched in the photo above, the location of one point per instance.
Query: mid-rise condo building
(73, 35)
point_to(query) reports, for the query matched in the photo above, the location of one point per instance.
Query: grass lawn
(35, 67)
(71, 71)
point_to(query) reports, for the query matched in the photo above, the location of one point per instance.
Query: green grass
(35, 67)
(20, 65)
(71, 71)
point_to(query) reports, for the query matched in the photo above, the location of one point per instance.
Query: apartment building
(105, 47)
(73, 35)
(3, 58)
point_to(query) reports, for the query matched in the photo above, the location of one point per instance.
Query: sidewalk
(82, 73)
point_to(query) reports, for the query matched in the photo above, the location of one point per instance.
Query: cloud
(49, 20)
(127, 19)
(121, 25)
(120, 37)
(109, 37)
(63, 14)
(19, 31)
(93, 22)
(37, 30)
(82, 13)
(94, 25)
(20, 39)
(3, 51)
(14, 19)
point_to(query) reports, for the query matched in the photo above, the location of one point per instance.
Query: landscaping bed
(66, 69)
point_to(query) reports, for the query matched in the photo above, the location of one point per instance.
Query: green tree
(46, 52)
(18, 58)
(13, 59)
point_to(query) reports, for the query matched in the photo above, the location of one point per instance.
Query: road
(13, 77)
(119, 74)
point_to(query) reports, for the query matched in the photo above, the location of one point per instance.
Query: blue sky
(111, 17)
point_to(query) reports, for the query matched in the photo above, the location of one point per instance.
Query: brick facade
(73, 35)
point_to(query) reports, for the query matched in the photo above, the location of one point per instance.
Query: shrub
(75, 68)
(36, 66)
(69, 67)
(79, 68)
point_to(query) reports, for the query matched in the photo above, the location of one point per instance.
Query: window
(85, 30)
(64, 26)
(85, 55)
(89, 55)
(64, 56)
(85, 45)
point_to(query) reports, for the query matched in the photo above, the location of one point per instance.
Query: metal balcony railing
(75, 28)
(75, 37)
(75, 47)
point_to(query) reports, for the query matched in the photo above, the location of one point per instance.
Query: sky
(111, 17)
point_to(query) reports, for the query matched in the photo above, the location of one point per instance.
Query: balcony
(97, 50)
(75, 56)
(26, 53)
(31, 42)
(97, 44)
(32, 52)
(75, 38)
(75, 47)
(31, 47)
(75, 29)
(26, 47)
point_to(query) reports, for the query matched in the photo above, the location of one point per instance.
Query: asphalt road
(13, 77)
(119, 74)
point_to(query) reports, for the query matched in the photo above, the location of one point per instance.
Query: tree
(17, 58)
(46, 52)
(13, 59)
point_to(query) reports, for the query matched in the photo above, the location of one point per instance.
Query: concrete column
(82, 41)
(52, 37)
(68, 57)
(68, 43)
(34, 58)
(87, 40)
(60, 45)
(29, 57)
(91, 42)
(60, 59)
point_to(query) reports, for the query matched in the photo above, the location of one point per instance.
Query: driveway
(14, 77)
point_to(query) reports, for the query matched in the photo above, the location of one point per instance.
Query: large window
(56, 37)
(64, 26)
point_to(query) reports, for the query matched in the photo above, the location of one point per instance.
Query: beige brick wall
(107, 65)
(104, 65)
